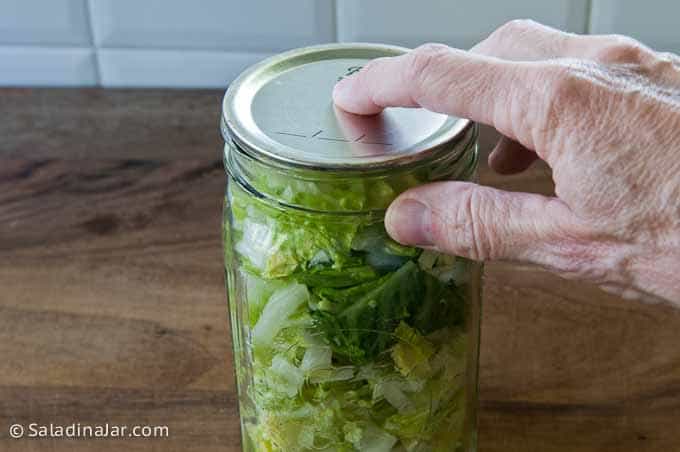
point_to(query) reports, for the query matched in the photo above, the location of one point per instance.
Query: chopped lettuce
(441, 305)
(337, 278)
(354, 342)
(448, 269)
(290, 378)
(412, 353)
(316, 358)
(258, 292)
(374, 439)
(278, 310)
(330, 193)
(313, 194)
(362, 324)
(274, 244)
(380, 251)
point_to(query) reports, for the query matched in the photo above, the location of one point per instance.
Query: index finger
(451, 81)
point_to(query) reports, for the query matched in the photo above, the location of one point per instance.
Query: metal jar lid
(281, 110)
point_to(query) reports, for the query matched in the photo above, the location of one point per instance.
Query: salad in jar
(349, 340)
(344, 340)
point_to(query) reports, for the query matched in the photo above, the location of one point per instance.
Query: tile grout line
(334, 13)
(179, 48)
(93, 46)
(44, 46)
(589, 17)
(336, 20)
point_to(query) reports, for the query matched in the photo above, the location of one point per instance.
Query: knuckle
(431, 48)
(479, 247)
(668, 57)
(514, 30)
(621, 49)
(464, 230)
(663, 63)
(515, 27)
(422, 62)
(564, 92)
(425, 57)
(563, 84)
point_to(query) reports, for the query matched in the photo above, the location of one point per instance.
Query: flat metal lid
(281, 108)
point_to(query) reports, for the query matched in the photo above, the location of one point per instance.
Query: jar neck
(347, 191)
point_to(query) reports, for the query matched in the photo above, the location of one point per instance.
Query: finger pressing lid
(281, 109)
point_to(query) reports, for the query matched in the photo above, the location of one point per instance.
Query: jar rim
(242, 168)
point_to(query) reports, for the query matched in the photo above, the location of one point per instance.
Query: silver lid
(281, 109)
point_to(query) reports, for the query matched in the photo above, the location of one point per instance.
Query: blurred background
(206, 43)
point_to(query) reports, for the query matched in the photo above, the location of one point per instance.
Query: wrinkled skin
(602, 111)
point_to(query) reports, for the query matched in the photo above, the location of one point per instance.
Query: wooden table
(112, 306)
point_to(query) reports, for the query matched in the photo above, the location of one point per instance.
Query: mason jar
(343, 339)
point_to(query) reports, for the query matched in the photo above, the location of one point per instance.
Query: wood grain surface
(112, 305)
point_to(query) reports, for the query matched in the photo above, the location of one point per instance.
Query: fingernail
(410, 222)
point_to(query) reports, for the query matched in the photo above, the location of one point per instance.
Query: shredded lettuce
(380, 251)
(273, 244)
(448, 269)
(362, 324)
(355, 342)
(280, 307)
(290, 378)
(258, 292)
(317, 358)
(412, 353)
(337, 278)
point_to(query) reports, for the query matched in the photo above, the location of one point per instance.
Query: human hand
(602, 111)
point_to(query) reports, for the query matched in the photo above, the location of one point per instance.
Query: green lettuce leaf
(361, 325)
(440, 306)
(337, 278)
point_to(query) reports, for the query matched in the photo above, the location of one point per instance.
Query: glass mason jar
(343, 339)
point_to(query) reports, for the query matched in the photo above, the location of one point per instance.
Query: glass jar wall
(345, 340)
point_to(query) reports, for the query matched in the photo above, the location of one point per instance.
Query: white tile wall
(45, 66)
(654, 22)
(205, 43)
(172, 68)
(48, 22)
(239, 25)
(460, 23)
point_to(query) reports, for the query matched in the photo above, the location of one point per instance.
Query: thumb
(478, 222)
